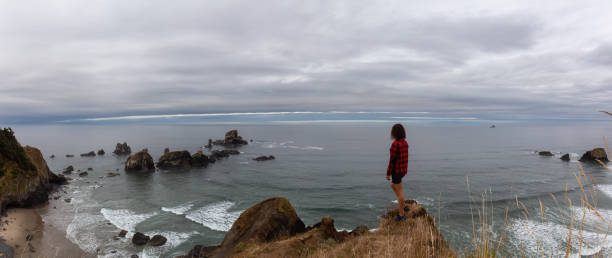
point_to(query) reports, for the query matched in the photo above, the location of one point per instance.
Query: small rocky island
(122, 149)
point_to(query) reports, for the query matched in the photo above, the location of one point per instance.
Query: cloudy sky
(75, 59)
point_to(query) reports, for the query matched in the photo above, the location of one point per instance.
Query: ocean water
(325, 169)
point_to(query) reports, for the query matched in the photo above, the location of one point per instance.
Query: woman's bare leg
(397, 188)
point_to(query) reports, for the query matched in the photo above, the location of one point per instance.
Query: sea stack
(122, 149)
(140, 162)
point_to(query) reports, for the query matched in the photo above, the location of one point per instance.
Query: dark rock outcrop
(199, 160)
(595, 154)
(175, 160)
(101, 152)
(219, 154)
(264, 158)
(83, 174)
(140, 239)
(111, 174)
(89, 154)
(122, 149)
(68, 170)
(122, 233)
(52, 156)
(157, 240)
(25, 178)
(565, 157)
(166, 150)
(269, 220)
(360, 230)
(545, 153)
(69, 155)
(231, 139)
(140, 162)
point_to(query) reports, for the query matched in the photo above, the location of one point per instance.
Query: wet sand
(24, 230)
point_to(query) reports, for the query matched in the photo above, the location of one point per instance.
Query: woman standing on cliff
(398, 166)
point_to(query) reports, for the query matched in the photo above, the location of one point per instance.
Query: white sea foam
(605, 189)
(554, 236)
(125, 219)
(215, 216)
(81, 231)
(180, 209)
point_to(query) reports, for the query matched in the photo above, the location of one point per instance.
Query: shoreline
(29, 236)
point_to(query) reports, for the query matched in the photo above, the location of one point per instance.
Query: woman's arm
(392, 157)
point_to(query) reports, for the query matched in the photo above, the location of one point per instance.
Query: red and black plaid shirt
(398, 162)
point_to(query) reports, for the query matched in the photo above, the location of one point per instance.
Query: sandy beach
(24, 230)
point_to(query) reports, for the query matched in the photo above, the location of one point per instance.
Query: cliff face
(25, 179)
(271, 228)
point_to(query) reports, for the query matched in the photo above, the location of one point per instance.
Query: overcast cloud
(508, 60)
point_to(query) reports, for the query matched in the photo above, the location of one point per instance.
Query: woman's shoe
(400, 218)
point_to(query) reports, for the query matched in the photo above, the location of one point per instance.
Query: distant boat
(493, 126)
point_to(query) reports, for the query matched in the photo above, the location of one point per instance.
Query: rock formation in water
(231, 139)
(68, 170)
(199, 159)
(101, 152)
(25, 178)
(140, 239)
(272, 228)
(122, 149)
(158, 240)
(595, 154)
(175, 160)
(546, 153)
(264, 158)
(219, 154)
(69, 155)
(140, 162)
(89, 154)
(565, 157)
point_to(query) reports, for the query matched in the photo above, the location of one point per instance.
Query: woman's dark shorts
(396, 178)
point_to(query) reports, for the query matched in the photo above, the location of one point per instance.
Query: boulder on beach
(157, 240)
(140, 239)
(199, 159)
(175, 160)
(264, 158)
(231, 139)
(140, 162)
(565, 157)
(83, 174)
(595, 154)
(89, 154)
(122, 149)
(545, 153)
(101, 152)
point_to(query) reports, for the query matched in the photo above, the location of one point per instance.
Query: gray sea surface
(335, 170)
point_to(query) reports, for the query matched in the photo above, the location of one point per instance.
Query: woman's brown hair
(398, 132)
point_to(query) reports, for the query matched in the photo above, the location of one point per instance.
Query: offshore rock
(545, 153)
(175, 160)
(157, 240)
(231, 139)
(595, 154)
(122, 149)
(565, 157)
(219, 154)
(199, 159)
(264, 158)
(101, 152)
(140, 239)
(140, 162)
(89, 154)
